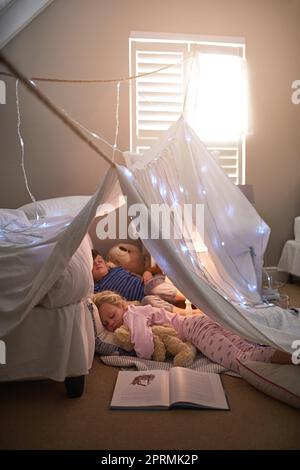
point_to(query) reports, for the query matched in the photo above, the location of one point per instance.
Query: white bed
(50, 343)
(45, 282)
(290, 258)
(56, 339)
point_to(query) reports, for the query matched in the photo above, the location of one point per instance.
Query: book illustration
(143, 380)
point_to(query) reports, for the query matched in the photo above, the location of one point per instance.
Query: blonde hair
(109, 297)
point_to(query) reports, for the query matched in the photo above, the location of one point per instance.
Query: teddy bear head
(128, 256)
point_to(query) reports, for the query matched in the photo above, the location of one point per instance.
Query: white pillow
(279, 381)
(105, 342)
(76, 281)
(69, 205)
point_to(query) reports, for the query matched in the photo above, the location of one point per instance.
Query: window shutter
(228, 158)
(157, 100)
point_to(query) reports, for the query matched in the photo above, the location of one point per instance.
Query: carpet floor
(37, 415)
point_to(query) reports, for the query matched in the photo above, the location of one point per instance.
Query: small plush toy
(165, 340)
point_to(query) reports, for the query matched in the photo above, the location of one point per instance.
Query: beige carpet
(37, 415)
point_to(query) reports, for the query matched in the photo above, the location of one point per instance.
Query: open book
(161, 389)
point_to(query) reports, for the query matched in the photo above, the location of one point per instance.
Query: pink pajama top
(139, 321)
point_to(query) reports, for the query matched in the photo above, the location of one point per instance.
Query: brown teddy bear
(165, 340)
(130, 257)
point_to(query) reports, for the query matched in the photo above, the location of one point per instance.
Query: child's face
(100, 268)
(111, 316)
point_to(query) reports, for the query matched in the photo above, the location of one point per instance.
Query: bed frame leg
(74, 386)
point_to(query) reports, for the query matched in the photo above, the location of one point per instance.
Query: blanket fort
(224, 281)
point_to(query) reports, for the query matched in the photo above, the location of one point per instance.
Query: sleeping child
(218, 344)
(148, 288)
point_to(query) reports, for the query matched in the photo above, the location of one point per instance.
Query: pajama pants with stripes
(220, 345)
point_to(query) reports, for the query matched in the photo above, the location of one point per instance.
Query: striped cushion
(278, 381)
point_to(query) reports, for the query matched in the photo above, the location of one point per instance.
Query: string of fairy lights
(114, 148)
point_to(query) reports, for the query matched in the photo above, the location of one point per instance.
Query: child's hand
(147, 276)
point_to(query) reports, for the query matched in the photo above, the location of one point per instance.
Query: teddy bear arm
(159, 353)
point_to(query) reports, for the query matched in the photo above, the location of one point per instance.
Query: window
(215, 82)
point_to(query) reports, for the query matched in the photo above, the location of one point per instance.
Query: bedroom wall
(76, 39)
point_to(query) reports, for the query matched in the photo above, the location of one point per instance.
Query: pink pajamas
(221, 345)
(209, 337)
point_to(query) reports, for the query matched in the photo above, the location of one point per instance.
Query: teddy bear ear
(122, 329)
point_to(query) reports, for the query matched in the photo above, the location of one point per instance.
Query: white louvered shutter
(157, 100)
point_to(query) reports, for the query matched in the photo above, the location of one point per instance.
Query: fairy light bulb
(128, 173)
(230, 211)
(252, 287)
(163, 191)
(154, 180)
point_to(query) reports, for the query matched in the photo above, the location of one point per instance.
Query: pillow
(279, 381)
(75, 282)
(69, 205)
(105, 343)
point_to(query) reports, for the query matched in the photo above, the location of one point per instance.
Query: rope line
(52, 107)
(112, 80)
(117, 121)
(22, 144)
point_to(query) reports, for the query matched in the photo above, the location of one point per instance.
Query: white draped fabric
(222, 280)
(33, 255)
(178, 171)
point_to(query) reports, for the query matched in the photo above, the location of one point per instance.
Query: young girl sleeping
(218, 344)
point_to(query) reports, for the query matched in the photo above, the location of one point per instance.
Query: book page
(198, 388)
(141, 389)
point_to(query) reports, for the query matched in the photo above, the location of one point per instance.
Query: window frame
(235, 151)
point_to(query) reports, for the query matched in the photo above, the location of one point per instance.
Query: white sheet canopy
(224, 280)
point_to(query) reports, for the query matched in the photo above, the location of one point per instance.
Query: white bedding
(50, 343)
(290, 258)
(56, 339)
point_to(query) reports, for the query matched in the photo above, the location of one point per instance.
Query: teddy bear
(165, 340)
(130, 257)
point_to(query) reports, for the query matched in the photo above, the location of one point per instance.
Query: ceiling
(16, 14)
